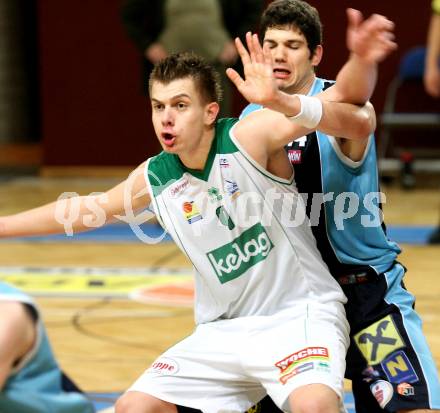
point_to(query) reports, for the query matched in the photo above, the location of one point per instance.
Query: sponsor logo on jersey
(405, 389)
(164, 366)
(292, 365)
(224, 163)
(224, 217)
(235, 258)
(323, 366)
(214, 194)
(294, 156)
(398, 368)
(232, 188)
(191, 212)
(179, 187)
(379, 340)
(370, 374)
(297, 370)
(382, 391)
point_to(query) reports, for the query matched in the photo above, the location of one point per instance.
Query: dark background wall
(92, 106)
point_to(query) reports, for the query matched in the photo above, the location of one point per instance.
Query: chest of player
(228, 222)
(224, 219)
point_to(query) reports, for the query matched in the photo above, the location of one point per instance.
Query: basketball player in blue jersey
(30, 378)
(389, 362)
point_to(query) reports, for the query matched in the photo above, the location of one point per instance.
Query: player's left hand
(371, 39)
(259, 85)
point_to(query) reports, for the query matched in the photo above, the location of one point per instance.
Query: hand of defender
(259, 85)
(371, 39)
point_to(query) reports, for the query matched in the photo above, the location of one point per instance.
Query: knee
(314, 399)
(312, 406)
(137, 402)
(126, 403)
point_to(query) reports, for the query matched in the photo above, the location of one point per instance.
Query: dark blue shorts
(389, 361)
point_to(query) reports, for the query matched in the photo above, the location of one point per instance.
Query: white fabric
(290, 269)
(229, 365)
(311, 112)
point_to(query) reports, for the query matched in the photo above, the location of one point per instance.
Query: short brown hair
(189, 65)
(295, 14)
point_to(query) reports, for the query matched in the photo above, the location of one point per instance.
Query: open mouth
(281, 73)
(168, 139)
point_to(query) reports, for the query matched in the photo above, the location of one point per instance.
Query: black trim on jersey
(309, 183)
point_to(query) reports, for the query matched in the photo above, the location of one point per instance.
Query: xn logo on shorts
(378, 340)
(302, 361)
(233, 259)
(398, 368)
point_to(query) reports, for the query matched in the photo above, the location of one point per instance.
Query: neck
(196, 157)
(303, 89)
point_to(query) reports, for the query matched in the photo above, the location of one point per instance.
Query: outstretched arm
(79, 213)
(369, 41)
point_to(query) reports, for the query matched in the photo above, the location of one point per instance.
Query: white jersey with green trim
(244, 230)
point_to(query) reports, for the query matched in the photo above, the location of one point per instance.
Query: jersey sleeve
(252, 107)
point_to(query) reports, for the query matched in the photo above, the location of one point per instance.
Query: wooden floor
(104, 344)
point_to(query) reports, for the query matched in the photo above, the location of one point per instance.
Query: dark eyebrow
(180, 95)
(289, 42)
(295, 42)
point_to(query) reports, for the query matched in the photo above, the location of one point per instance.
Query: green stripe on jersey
(165, 168)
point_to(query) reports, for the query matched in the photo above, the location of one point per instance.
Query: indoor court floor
(112, 303)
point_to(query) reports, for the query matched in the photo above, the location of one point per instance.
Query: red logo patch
(164, 366)
(295, 358)
(294, 156)
(405, 389)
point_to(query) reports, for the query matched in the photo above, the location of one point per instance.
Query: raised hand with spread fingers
(371, 39)
(258, 85)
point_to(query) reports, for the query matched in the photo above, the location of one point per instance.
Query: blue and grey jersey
(343, 200)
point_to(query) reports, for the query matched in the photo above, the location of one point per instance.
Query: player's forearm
(347, 121)
(70, 215)
(433, 48)
(282, 102)
(356, 81)
(337, 119)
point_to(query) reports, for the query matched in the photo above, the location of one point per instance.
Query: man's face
(178, 115)
(293, 67)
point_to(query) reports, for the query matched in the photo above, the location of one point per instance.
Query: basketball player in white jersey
(269, 315)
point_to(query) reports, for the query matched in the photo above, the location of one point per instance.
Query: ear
(211, 111)
(317, 56)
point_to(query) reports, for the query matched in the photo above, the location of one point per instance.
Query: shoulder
(320, 85)
(163, 165)
(161, 171)
(17, 330)
(223, 129)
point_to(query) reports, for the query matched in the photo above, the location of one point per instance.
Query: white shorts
(229, 365)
